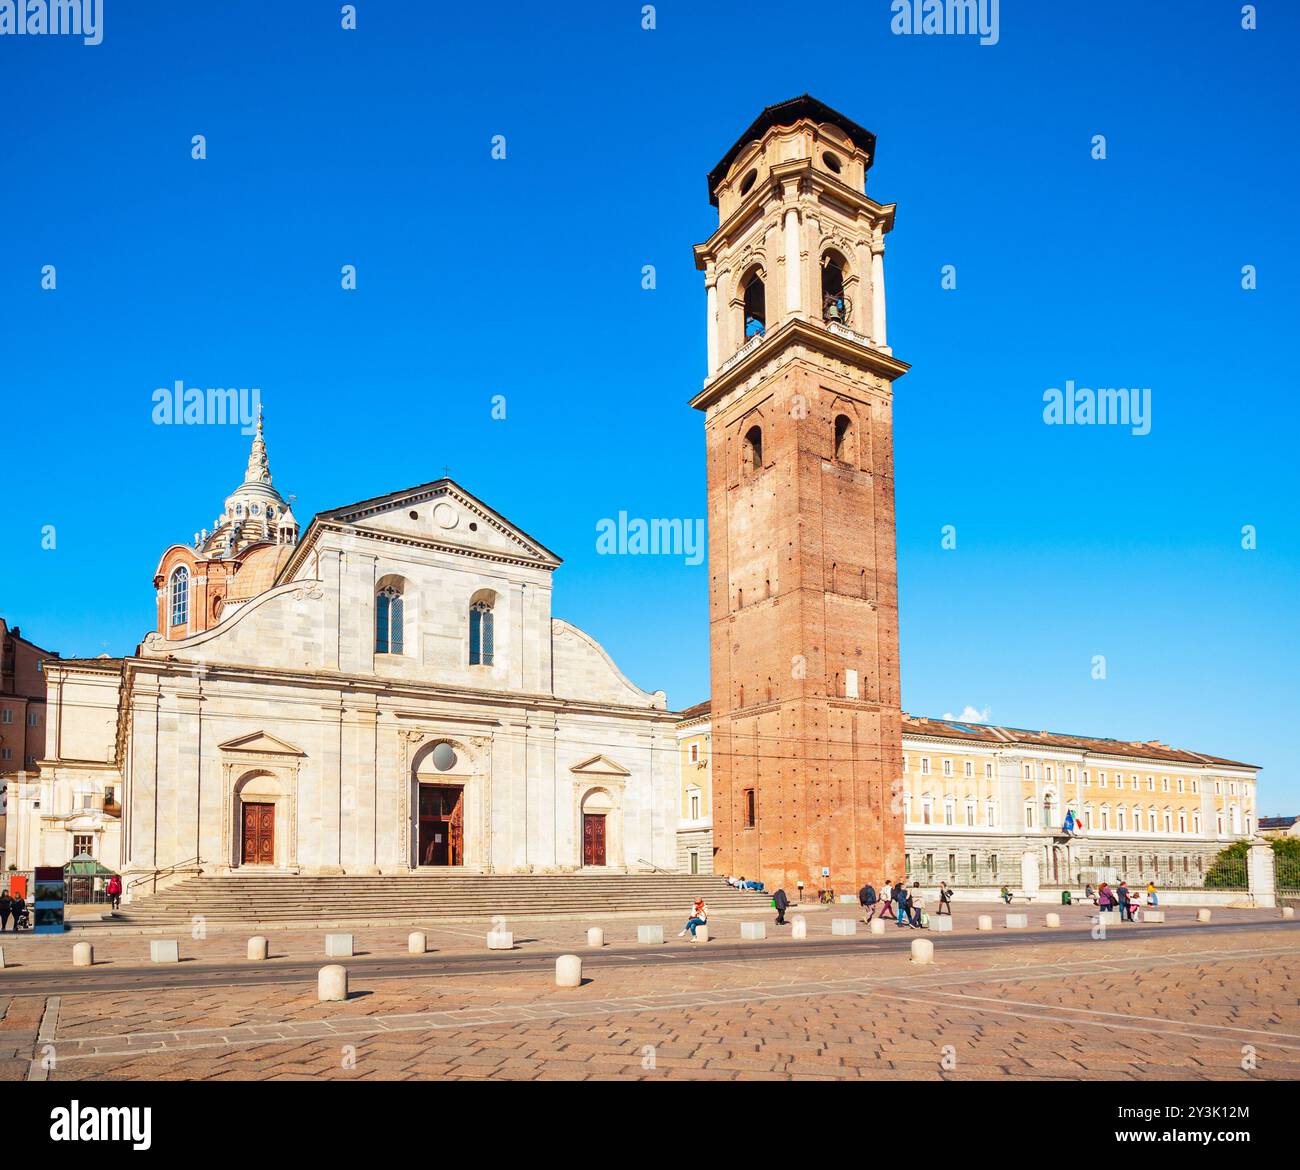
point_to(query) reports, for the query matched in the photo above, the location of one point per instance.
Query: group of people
(897, 902)
(1121, 898)
(14, 907)
(742, 883)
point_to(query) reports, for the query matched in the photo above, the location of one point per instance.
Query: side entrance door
(259, 835)
(593, 839)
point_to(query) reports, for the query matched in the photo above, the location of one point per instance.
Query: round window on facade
(832, 161)
(444, 757)
(748, 182)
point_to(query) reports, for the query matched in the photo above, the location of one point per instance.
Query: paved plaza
(1146, 1002)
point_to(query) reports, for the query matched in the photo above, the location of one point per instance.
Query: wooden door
(593, 839)
(259, 834)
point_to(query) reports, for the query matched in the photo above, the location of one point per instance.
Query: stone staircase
(290, 900)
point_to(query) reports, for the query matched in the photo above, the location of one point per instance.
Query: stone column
(878, 294)
(1260, 875)
(793, 285)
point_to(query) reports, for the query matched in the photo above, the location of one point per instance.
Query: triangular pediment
(442, 513)
(599, 766)
(263, 744)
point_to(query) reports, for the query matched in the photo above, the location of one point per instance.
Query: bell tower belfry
(803, 592)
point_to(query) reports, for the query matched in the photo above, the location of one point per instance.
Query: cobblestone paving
(1140, 1005)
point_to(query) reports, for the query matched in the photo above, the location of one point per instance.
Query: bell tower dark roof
(786, 114)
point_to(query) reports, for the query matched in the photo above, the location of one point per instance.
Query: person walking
(945, 899)
(915, 905)
(114, 891)
(6, 909)
(1125, 903)
(699, 916)
(781, 902)
(1152, 900)
(901, 900)
(867, 899)
(886, 897)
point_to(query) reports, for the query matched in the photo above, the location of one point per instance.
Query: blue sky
(522, 277)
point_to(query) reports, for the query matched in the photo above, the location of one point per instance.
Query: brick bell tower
(803, 590)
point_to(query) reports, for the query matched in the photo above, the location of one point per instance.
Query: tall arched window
(180, 597)
(834, 306)
(752, 450)
(845, 448)
(480, 634)
(389, 620)
(755, 307)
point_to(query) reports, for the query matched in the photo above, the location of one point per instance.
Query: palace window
(990, 814)
(695, 753)
(970, 812)
(6, 716)
(927, 810)
(695, 806)
(988, 771)
(925, 765)
(83, 845)
(949, 813)
(180, 597)
(480, 634)
(947, 767)
(389, 620)
(969, 769)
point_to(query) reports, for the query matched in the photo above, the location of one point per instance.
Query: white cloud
(969, 714)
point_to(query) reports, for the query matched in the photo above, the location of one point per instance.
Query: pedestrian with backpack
(867, 899)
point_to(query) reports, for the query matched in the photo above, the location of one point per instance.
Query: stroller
(23, 919)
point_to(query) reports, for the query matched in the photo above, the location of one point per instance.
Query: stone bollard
(332, 984)
(595, 937)
(338, 946)
(984, 922)
(1017, 921)
(1053, 920)
(568, 971)
(702, 932)
(1288, 911)
(1108, 917)
(258, 948)
(877, 926)
(1153, 915)
(753, 930)
(798, 926)
(500, 940)
(1203, 915)
(2, 958)
(942, 925)
(83, 955)
(922, 950)
(844, 926)
(164, 950)
(650, 935)
(417, 942)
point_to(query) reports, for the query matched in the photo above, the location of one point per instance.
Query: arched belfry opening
(755, 302)
(835, 305)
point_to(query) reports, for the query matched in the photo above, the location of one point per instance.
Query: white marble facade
(287, 703)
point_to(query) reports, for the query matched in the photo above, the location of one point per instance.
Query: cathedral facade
(385, 693)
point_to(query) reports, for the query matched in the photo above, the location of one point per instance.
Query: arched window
(480, 634)
(752, 450)
(389, 623)
(845, 448)
(180, 597)
(834, 306)
(755, 307)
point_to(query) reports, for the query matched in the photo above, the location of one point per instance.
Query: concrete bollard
(922, 950)
(258, 948)
(332, 984)
(2, 958)
(1203, 915)
(942, 925)
(338, 946)
(164, 950)
(1288, 911)
(1108, 917)
(1053, 920)
(568, 971)
(984, 922)
(595, 937)
(702, 932)
(1017, 921)
(1153, 915)
(417, 942)
(500, 940)
(877, 926)
(798, 926)
(753, 930)
(844, 926)
(650, 935)
(83, 955)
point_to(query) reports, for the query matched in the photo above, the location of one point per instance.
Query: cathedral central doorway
(258, 837)
(441, 838)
